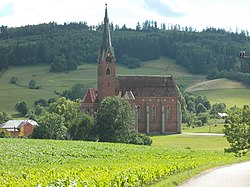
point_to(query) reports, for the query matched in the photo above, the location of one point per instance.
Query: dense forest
(213, 52)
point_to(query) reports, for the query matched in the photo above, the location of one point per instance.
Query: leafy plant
(114, 120)
(237, 130)
(79, 163)
(32, 84)
(22, 108)
(13, 80)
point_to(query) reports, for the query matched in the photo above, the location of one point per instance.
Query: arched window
(108, 71)
(138, 110)
(169, 113)
(153, 113)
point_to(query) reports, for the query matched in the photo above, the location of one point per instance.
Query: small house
(18, 128)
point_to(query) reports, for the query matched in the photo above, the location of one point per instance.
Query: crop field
(26, 162)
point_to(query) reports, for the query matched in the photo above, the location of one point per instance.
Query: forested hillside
(213, 52)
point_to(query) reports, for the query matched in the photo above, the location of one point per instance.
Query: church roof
(90, 96)
(148, 86)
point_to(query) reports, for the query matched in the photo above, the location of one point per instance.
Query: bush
(32, 84)
(41, 102)
(51, 100)
(13, 80)
(139, 139)
(2, 135)
(22, 108)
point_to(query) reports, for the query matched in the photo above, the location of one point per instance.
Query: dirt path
(236, 175)
(203, 134)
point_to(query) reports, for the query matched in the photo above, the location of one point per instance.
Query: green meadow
(208, 128)
(221, 90)
(191, 141)
(50, 83)
(232, 97)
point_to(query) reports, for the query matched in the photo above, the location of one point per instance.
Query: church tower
(106, 64)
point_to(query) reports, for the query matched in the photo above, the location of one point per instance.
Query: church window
(169, 113)
(108, 71)
(153, 113)
(138, 108)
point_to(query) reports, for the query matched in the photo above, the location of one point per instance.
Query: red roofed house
(154, 99)
(18, 128)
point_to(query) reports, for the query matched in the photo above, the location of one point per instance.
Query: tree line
(213, 52)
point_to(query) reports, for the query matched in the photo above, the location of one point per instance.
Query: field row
(27, 162)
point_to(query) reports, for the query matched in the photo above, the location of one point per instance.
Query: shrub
(13, 80)
(41, 102)
(22, 107)
(32, 84)
(139, 139)
(2, 135)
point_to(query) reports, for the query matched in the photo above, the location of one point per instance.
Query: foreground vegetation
(27, 162)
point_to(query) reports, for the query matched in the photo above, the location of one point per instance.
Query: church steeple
(106, 64)
(106, 39)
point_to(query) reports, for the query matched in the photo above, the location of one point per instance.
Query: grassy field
(232, 97)
(27, 162)
(49, 82)
(190, 141)
(215, 85)
(212, 128)
(220, 90)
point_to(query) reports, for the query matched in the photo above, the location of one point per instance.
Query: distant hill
(211, 52)
(51, 83)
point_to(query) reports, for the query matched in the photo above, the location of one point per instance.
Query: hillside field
(232, 97)
(49, 82)
(27, 162)
(221, 90)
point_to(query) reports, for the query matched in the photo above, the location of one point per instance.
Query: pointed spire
(106, 13)
(106, 40)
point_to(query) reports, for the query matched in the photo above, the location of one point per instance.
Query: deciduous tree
(82, 128)
(67, 109)
(237, 130)
(22, 107)
(51, 126)
(114, 120)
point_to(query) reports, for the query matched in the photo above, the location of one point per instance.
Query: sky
(231, 15)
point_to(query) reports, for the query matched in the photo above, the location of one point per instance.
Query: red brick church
(154, 99)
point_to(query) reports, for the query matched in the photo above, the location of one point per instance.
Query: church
(154, 99)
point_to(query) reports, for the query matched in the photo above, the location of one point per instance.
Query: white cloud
(198, 14)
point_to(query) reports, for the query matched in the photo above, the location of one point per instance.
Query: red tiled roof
(147, 86)
(90, 96)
